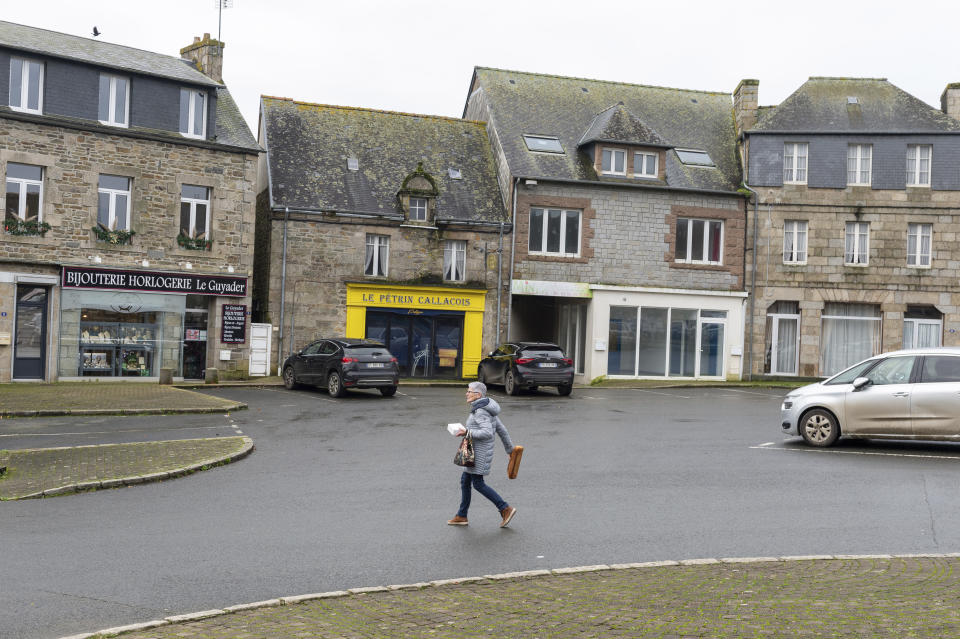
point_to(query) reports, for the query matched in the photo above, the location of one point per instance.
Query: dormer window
(614, 162)
(543, 143)
(417, 195)
(26, 85)
(114, 100)
(193, 113)
(418, 209)
(645, 164)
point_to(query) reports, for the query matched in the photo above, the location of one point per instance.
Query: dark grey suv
(527, 365)
(343, 363)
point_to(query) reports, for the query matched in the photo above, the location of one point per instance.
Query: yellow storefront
(432, 331)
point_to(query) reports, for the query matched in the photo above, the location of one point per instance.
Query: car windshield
(541, 352)
(855, 371)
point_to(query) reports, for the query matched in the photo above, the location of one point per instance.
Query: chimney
(950, 100)
(745, 104)
(207, 54)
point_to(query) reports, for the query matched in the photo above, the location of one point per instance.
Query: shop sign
(156, 282)
(234, 324)
(551, 289)
(433, 299)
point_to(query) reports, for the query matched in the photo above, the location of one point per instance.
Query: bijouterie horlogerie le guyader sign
(152, 281)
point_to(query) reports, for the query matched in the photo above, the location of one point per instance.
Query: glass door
(785, 331)
(711, 349)
(30, 333)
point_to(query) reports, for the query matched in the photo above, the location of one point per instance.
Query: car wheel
(388, 391)
(290, 379)
(335, 385)
(819, 428)
(565, 389)
(510, 384)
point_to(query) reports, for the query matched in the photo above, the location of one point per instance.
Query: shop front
(132, 324)
(434, 332)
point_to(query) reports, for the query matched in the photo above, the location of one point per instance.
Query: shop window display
(117, 344)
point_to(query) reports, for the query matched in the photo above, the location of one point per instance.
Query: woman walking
(482, 425)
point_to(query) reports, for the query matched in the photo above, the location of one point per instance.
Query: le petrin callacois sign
(154, 282)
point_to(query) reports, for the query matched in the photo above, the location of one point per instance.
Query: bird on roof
(96, 31)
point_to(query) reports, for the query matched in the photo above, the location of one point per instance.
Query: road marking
(734, 390)
(766, 444)
(108, 432)
(855, 452)
(643, 390)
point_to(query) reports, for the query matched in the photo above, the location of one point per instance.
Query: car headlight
(787, 404)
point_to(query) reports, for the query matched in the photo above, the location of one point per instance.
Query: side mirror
(860, 383)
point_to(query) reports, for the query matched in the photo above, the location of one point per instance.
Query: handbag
(465, 455)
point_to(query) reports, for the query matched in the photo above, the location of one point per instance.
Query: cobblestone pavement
(906, 596)
(46, 472)
(117, 398)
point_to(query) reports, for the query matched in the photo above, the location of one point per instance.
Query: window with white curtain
(454, 260)
(856, 251)
(849, 333)
(919, 237)
(782, 338)
(795, 242)
(922, 327)
(193, 113)
(795, 163)
(24, 198)
(859, 158)
(26, 85)
(113, 202)
(918, 164)
(378, 254)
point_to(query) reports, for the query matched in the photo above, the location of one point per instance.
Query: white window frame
(706, 240)
(915, 175)
(192, 115)
(112, 194)
(455, 260)
(917, 232)
(563, 232)
(22, 184)
(776, 318)
(643, 155)
(380, 244)
(613, 164)
(916, 322)
(418, 209)
(859, 161)
(798, 230)
(858, 229)
(112, 101)
(193, 202)
(791, 168)
(25, 85)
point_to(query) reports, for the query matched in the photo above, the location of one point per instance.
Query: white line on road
(109, 432)
(766, 444)
(856, 452)
(643, 390)
(734, 390)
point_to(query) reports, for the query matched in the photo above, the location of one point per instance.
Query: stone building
(129, 211)
(381, 225)
(629, 224)
(855, 224)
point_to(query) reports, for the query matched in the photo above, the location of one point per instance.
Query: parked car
(908, 394)
(342, 363)
(527, 365)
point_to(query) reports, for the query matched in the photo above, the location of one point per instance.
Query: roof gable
(616, 124)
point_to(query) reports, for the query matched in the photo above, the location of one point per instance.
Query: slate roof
(618, 125)
(308, 146)
(530, 103)
(821, 105)
(100, 53)
(232, 129)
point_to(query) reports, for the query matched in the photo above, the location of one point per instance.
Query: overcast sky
(418, 56)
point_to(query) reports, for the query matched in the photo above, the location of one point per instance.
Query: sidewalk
(105, 398)
(876, 597)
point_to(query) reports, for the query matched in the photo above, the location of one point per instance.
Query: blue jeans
(466, 479)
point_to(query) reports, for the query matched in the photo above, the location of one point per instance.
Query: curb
(523, 574)
(121, 411)
(139, 479)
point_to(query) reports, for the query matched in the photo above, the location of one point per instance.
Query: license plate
(375, 365)
(548, 365)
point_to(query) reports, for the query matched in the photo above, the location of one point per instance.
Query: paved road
(355, 492)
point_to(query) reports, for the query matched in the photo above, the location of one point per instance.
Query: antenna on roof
(221, 5)
(96, 31)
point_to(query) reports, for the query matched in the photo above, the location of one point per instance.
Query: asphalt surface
(356, 492)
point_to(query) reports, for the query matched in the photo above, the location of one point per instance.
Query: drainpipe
(753, 282)
(499, 279)
(283, 283)
(513, 245)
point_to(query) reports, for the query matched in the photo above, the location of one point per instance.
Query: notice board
(234, 324)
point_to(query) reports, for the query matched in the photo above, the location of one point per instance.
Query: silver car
(909, 394)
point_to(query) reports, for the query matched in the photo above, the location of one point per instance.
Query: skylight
(543, 144)
(852, 99)
(353, 164)
(694, 157)
(454, 173)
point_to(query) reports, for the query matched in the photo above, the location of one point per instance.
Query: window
(859, 157)
(782, 338)
(195, 211)
(378, 253)
(849, 333)
(857, 244)
(113, 205)
(554, 232)
(24, 192)
(418, 209)
(695, 158)
(795, 163)
(893, 370)
(614, 161)
(645, 165)
(699, 241)
(940, 368)
(114, 100)
(919, 237)
(918, 164)
(454, 260)
(543, 144)
(795, 242)
(193, 113)
(26, 85)
(922, 327)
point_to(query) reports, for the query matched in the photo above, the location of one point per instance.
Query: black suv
(520, 365)
(342, 363)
